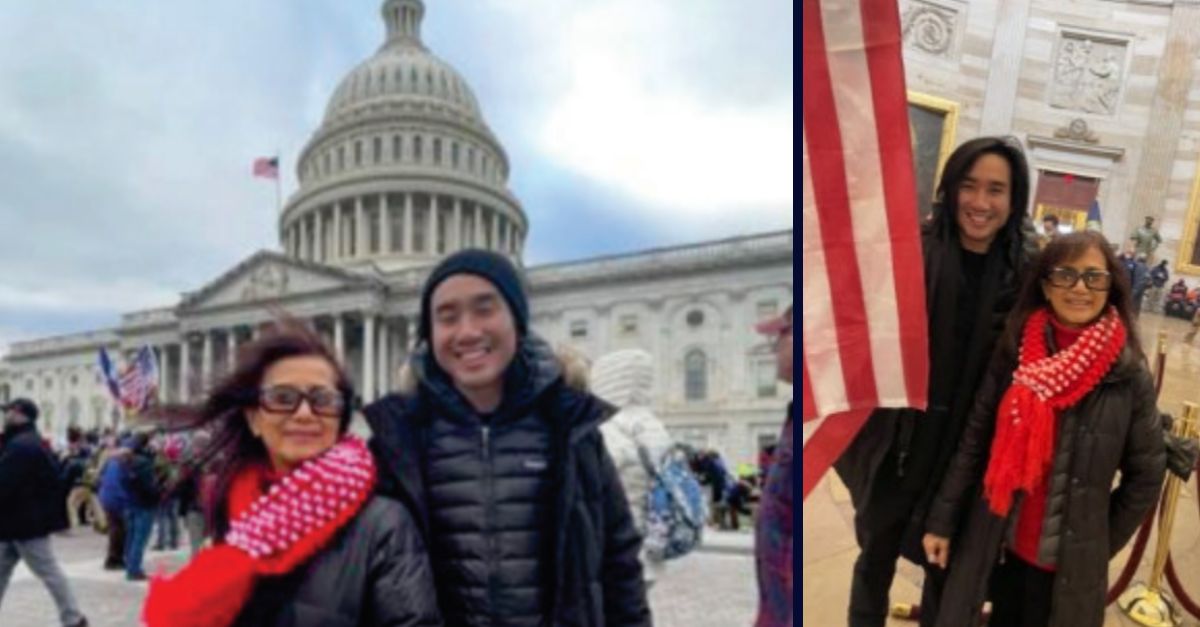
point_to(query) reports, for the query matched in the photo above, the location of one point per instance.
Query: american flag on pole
(139, 380)
(109, 372)
(864, 318)
(266, 167)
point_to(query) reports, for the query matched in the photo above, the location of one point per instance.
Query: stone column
(339, 338)
(1004, 71)
(319, 223)
(479, 243)
(230, 349)
(1166, 119)
(408, 223)
(412, 334)
(456, 232)
(368, 362)
(185, 369)
(336, 253)
(385, 368)
(385, 225)
(307, 237)
(432, 224)
(206, 363)
(164, 374)
(360, 228)
(496, 230)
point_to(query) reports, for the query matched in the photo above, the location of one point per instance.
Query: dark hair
(959, 164)
(1050, 217)
(1062, 249)
(233, 446)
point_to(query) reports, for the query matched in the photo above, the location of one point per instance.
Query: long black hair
(232, 446)
(1063, 249)
(958, 166)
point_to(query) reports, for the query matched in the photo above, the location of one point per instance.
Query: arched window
(417, 149)
(437, 151)
(396, 148)
(695, 375)
(377, 150)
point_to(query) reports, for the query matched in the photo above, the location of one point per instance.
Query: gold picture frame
(932, 124)
(1186, 258)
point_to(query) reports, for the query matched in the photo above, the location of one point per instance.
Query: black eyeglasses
(285, 399)
(1095, 280)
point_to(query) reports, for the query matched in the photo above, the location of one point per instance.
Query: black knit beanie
(494, 268)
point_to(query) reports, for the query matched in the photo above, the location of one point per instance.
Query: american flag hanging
(864, 318)
(266, 167)
(139, 380)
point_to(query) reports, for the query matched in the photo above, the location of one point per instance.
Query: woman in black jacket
(299, 538)
(1027, 506)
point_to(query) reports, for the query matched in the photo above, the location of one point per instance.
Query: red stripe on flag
(881, 34)
(827, 443)
(837, 228)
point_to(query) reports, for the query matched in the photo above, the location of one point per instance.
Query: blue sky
(127, 130)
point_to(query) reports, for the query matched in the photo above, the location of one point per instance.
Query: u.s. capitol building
(402, 171)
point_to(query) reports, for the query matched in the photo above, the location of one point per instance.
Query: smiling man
(974, 251)
(503, 464)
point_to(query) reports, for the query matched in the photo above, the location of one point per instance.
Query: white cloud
(630, 116)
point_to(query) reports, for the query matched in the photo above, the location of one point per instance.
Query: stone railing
(62, 343)
(149, 317)
(777, 245)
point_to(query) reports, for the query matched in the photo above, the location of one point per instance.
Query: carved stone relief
(1077, 131)
(930, 28)
(1088, 74)
(269, 281)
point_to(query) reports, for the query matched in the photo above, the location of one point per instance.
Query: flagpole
(278, 176)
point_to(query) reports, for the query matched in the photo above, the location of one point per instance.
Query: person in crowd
(1146, 238)
(766, 456)
(142, 491)
(1068, 404)
(34, 507)
(773, 523)
(114, 499)
(635, 438)
(975, 252)
(1139, 281)
(1049, 230)
(504, 463)
(300, 539)
(74, 466)
(1159, 276)
(167, 449)
(711, 470)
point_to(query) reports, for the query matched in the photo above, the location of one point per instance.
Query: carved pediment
(267, 277)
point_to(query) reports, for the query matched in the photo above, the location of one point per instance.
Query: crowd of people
(506, 482)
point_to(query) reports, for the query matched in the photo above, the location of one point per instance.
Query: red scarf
(1043, 384)
(271, 531)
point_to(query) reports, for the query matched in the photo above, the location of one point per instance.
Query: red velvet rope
(1173, 578)
(1135, 558)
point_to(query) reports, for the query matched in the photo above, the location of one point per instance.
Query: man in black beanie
(503, 466)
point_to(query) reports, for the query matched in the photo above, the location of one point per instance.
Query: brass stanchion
(1148, 604)
(1160, 361)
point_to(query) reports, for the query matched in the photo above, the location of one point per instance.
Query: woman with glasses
(299, 539)
(1027, 514)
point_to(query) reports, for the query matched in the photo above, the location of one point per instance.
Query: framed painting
(932, 123)
(1187, 260)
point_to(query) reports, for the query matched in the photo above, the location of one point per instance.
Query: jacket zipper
(489, 505)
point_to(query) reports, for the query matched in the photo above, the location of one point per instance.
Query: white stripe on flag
(821, 351)
(852, 91)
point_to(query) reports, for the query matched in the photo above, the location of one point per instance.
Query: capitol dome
(403, 169)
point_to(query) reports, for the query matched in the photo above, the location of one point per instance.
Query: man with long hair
(975, 249)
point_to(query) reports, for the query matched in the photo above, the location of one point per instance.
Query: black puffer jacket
(1115, 427)
(528, 524)
(33, 497)
(374, 572)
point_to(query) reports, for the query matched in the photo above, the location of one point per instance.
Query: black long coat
(31, 491)
(1115, 427)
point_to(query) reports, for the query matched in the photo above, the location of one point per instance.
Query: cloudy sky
(127, 130)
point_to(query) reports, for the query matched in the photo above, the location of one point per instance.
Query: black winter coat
(31, 491)
(375, 572)
(922, 442)
(139, 479)
(528, 524)
(1115, 427)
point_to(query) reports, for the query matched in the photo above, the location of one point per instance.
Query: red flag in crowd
(266, 167)
(865, 342)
